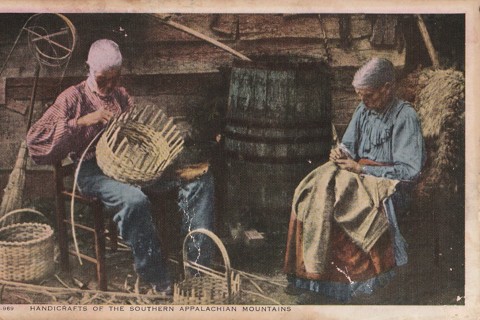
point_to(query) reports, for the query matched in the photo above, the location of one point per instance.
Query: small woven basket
(137, 146)
(26, 250)
(212, 287)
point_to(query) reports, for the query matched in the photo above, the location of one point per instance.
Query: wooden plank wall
(179, 72)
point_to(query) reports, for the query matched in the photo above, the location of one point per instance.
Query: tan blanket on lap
(353, 201)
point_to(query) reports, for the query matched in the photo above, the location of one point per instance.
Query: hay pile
(408, 86)
(440, 104)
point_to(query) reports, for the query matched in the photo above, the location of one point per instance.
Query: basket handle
(21, 210)
(218, 242)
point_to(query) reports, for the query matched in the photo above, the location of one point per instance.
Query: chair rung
(120, 244)
(83, 256)
(79, 197)
(80, 226)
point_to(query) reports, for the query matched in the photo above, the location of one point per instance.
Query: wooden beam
(165, 19)
(428, 41)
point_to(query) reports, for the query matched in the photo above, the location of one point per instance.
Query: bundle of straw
(440, 105)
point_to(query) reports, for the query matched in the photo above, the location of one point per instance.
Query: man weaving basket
(343, 237)
(67, 127)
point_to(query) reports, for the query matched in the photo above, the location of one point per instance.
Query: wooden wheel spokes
(51, 38)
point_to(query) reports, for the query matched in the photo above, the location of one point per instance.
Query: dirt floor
(420, 282)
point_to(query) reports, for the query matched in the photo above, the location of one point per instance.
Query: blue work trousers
(134, 219)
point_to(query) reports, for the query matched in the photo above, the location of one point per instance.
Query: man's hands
(98, 117)
(193, 171)
(345, 163)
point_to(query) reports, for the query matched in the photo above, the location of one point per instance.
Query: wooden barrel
(278, 129)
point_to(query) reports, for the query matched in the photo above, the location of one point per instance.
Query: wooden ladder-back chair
(99, 230)
(161, 200)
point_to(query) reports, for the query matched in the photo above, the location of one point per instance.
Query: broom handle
(34, 93)
(22, 153)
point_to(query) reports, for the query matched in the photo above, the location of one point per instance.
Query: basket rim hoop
(13, 212)
(48, 232)
(47, 228)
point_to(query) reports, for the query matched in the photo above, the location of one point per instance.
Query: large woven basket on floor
(137, 146)
(26, 249)
(211, 286)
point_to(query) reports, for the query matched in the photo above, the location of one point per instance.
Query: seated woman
(343, 237)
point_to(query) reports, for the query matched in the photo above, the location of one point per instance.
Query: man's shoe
(312, 298)
(163, 291)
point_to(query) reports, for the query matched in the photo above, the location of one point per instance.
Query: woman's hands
(349, 165)
(337, 154)
(344, 162)
(97, 117)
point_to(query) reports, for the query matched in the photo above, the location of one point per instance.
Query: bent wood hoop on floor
(212, 287)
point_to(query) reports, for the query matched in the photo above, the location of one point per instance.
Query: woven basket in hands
(137, 146)
(212, 286)
(26, 249)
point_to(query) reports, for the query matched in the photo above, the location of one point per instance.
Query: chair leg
(62, 240)
(100, 246)
(113, 234)
(162, 224)
(61, 216)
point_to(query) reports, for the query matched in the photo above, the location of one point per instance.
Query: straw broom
(13, 193)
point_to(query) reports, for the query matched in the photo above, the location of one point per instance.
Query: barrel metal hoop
(307, 159)
(273, 140)
(259, 123)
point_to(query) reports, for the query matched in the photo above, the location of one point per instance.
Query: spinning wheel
(51, 38)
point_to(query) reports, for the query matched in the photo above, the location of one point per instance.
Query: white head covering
(374, 74)
(104, 54)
